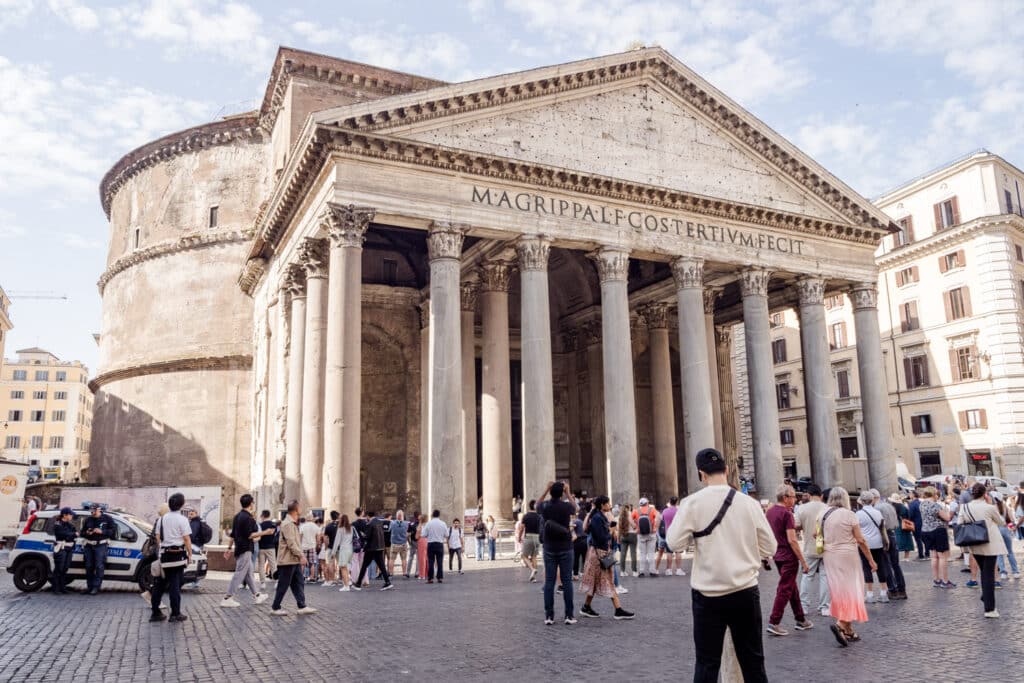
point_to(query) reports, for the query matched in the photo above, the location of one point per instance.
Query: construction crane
(37, 295)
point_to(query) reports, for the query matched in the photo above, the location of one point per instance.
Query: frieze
(444, 241)
(346, 224)
(754, 281)
(314, 256)
(811, 290)
(533, 253)
(612, 264)
(864, 295)
(688, 273)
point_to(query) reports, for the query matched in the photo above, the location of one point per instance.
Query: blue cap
(67, 511)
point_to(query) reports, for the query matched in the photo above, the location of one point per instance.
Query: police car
(128, 555)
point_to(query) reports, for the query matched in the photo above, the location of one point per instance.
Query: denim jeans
(95, 562)
(481, 543)
(490, 548)
(1008, 540)
(557, 563)
(289, 576)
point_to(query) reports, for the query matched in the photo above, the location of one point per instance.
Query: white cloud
(14, 12)
(78, 15)
(75, 241)
(316, 33)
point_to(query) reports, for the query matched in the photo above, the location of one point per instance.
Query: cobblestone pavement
(484, 625)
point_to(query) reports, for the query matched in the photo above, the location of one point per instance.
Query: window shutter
(914, 277)
(915, 424)
(942, 264)
(899, 278)
(948, 306)
(904, 323)
(938, 216)
(925, 381)
(782, 349)
(983, 418)
(842, 343)
(831, 337)
(954, 366)
(962, 417)
(966, 294)
(910, 229)
(908, 373)
(913, 315)
(956, 210)
(961, 257)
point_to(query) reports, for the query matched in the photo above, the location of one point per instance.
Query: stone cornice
(654, 64)
(237, 128)
(236, 362)
(945, 239)
(197, 240)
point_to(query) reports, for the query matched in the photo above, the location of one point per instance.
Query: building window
(834, 301)
(908, 317)
(62, 376)
(930, 463)
(12, 442)
(776, 320)
(779, 351)
(958, 303)
(38, 415)
(1009, 201)
(20, 375)
(786, 437)
(782, 395)
(42, 375)
(962, 363)
(37, 441)
(17, 394)
(56, 442)
(915, 370)
(837, 336)
(906, 234)
(14, 416)
(921, 424)
(1020, 252)
(55, 462)
(213, 216)
(907, 276)
(136, 238)
(947, 214)
(843, 383)
(58, 416)
(38, 395)
(60, 395)
(952, 261)
(973, 419)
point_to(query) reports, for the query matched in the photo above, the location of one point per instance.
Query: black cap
(710, 461)
(67, 511)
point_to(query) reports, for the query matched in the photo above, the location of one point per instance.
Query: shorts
(311, 558)
(531, 545)
(936, 540)
(662, 545)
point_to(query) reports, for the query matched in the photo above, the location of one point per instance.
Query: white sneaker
(883, 597)
(825, 612)
(680, 572)
(621, 590)
(230, 602)
(278, 613)
(307, 610)
(259, 598)
(869, 598)
(1016, 577)
(147, 596)
(344, 589)
(994, 614)
(1003, 576)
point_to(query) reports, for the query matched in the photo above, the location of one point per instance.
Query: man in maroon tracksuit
(789, 559)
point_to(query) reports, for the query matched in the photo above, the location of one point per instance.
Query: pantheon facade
(387, 290)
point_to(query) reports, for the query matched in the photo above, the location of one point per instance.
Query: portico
(579, 294)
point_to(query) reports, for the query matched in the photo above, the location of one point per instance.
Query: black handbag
(972, 532)
(608, 561)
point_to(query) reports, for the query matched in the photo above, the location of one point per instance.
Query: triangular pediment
(640, 116)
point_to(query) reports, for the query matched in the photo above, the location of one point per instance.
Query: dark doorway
(848, 447)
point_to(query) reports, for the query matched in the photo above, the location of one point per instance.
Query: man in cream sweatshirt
(726, 562)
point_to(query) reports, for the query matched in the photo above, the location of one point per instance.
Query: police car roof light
(87, 504)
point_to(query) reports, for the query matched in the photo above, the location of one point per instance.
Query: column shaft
(595, 390)
(710, 295)
(620, 401)
(694, 369)
(295, 279)
(424, 477)
(446, 463)
(662, 410)
(723, 343)
(495, 400)
(538, 393)
(874, 395)
(764, 410)
(570, 339)
(314, 256)
(819, 398)
(470, 291)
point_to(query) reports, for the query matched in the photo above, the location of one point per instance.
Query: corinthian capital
(469, 292)
(533, 253)
(612, 264)
(314, 257)
(711, 295)
(723, 336)
(811, 289)
(754, 281)
(688, 272)
(496, 276)
(346, 224)
(445, 241)
(294, 280)
(655, 315)
(864, 295)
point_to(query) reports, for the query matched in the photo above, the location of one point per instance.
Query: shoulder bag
(881, 529)
(718, 517)
(819, 532)
(972, 532)
(154, 568)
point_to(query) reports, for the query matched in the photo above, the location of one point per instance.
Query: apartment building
(951, 312)
(5, 322)
(46, 412)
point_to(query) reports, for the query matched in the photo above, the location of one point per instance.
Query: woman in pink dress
(843, 542)
(421, 549)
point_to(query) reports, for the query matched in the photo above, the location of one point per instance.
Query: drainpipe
(896, 366)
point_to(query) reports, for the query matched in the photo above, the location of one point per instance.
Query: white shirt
(173, 528)
(307, 535)
(31, 506)
(435, 530)
(869, 519)
(455, 538)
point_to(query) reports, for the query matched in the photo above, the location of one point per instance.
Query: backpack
(643, 523)
(661, 527)
(205, 533)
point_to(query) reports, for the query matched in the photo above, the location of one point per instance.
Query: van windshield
(144, 526)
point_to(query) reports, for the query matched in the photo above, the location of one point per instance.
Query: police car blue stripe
(26, 544)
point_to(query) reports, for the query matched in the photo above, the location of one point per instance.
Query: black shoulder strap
(718, 518)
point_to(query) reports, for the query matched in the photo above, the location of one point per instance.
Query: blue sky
(878, 92)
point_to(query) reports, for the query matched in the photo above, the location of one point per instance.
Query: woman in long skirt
(596, 579)
(904, 537)
(843, 542)
(421, 549)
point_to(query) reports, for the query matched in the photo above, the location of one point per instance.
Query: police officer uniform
(97, 530)
(64, 531)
